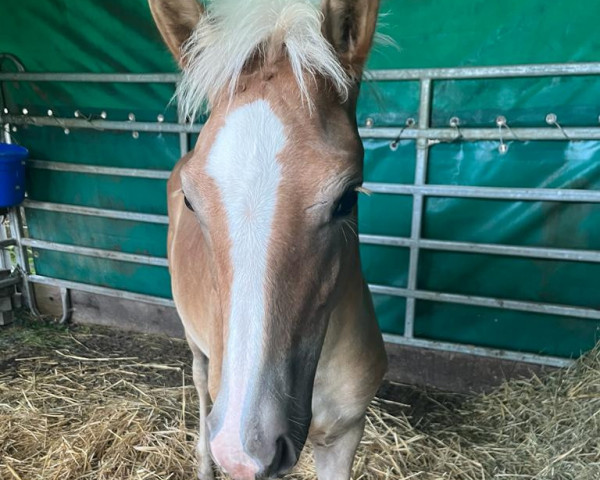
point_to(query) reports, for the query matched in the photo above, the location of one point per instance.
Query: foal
(263, 250)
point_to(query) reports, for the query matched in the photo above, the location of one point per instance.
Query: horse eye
(346, 204)
(187, 203)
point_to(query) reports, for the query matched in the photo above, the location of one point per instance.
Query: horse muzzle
(255, 443)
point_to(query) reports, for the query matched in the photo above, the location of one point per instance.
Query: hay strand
(67, 416)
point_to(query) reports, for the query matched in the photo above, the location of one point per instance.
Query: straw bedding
(74, 408)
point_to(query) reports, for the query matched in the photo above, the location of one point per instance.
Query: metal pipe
(505, 71)
(5, 242)
(460, 73)
(16, 232)
(479, 351)
(387, 133)
(422, 157)
(95, 252)
(498, 193)
(96, 212)
(572, 255)
(8, 242)
(91, 77)
(508, 250)
(481, 134)
(523, 306)
(9, 282)
(111, 292)
(100, 170)
(98, 124)
(384, 240)
(452, 298)
(5, 132)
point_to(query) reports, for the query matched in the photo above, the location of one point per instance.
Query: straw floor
(86, 403)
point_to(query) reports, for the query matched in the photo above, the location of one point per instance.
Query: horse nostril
(285, 456)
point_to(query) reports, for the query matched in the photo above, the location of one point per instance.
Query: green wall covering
(119, 36)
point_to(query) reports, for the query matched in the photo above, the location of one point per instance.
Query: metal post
(5, 261)
(417, 208)
(6, 132)
(16, 231)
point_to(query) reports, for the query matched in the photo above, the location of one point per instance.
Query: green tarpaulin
(119, 36)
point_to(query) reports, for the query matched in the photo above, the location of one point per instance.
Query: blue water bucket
(12, 174)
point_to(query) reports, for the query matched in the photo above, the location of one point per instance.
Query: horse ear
(349, 25)
(176, 20)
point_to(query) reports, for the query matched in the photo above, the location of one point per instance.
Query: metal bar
(422, 156)
(127, 126)
(8, 242)
(96, 252)
(5, 242)
(111, 292)
(100, 170)
(524, 70)
(16, 232)
(9, 282)
(523, 306)
(481, 134)
(91, 77)
(498, 193)
(480, 351)
(507, 71)
(96, 212)
(573, 255)
(384, 240)
(442, 134)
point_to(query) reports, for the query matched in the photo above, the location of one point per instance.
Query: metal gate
(418, 130)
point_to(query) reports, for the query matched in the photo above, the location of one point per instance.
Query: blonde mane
(232, 32)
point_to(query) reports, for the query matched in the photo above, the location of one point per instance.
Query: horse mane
(232, 33)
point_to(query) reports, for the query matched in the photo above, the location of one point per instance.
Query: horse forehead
(244, 166)
(256, 142)
(246, 145)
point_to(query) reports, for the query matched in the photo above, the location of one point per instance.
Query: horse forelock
(234, 33)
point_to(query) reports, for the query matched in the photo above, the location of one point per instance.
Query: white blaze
(243, 163)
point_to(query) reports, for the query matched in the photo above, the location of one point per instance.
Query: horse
(262, 243)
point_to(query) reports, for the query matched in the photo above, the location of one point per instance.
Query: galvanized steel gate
(418, 130)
